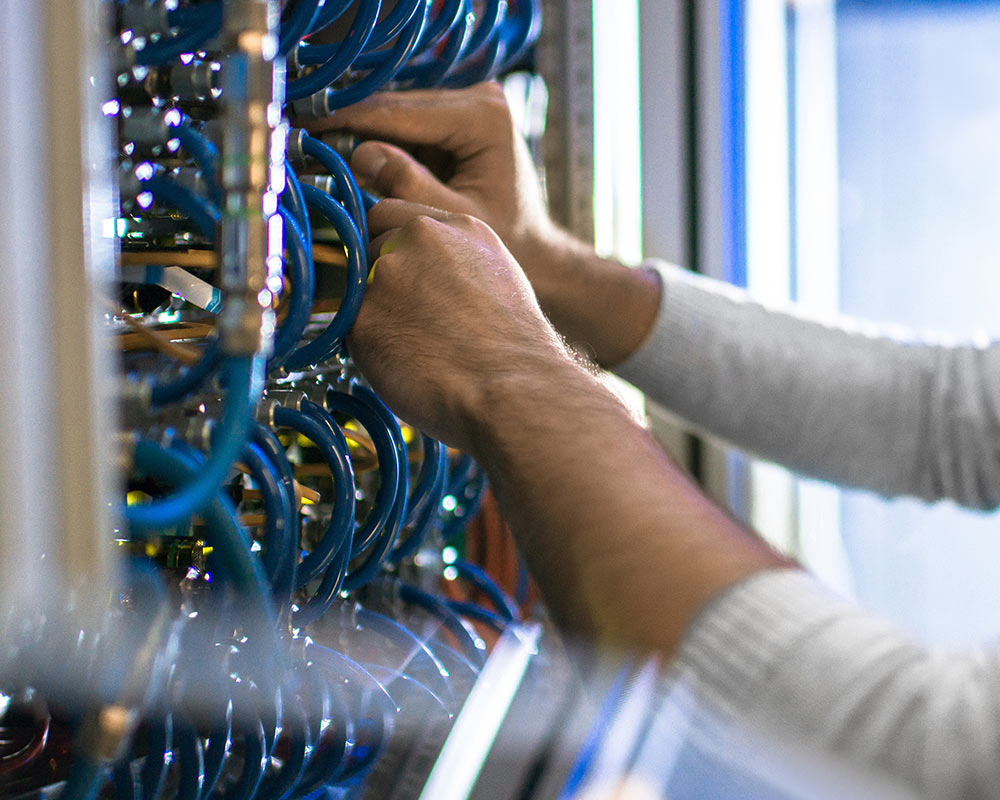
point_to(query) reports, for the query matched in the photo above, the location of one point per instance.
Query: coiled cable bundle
(281, 625)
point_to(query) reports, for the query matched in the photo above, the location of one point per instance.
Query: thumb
(393, 172)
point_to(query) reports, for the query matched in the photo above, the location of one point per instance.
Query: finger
(387, 215)
(452, 119)
(395, 173)
(384, 245)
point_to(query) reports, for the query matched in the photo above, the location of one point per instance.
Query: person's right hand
(493, 178)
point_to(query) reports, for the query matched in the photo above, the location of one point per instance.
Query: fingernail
(367, 161)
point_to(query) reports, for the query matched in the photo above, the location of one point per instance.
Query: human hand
(492, 176)
(449, 322)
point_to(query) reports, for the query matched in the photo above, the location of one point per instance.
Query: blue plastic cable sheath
(429, 517)
(368, 200)
(153, 774)
(478, 614)
(331, 11)
(171, 47)
(243, 386)
(203, 152)
(347, 187)
(277, 510)
(431, 69)
(277, 461)
(186, 16)
(520, 31)
(254, 763)
(188, 750)
(326, 594)
(387, 67)
(395, 21)
(271, 446)
(479, 68)
(279, 784)
(375, 56)
(171, 194)
(123, 782)
(334, 59)
(420, 662)
(295, 25)
(378, 534)
(469, 505)
(190, 379)
(332, 732)
(231, 558)
(311, 55)
(425, 497)
(333, 448)
(292, 197)
(487, 26)
(302, 289)
(379, 726)
(444, 22)
(384, 502)
(327, 343)
(85, 780)
(448, 618)
(478, 577)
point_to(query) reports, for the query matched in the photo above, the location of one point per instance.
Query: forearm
(623, 546)
(603, 307)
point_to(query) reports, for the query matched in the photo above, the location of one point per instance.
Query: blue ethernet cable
(420, 659)
(231, 560)
(470, 644)
(372, 731)
(333, 447)
(329, 341)
(478, 614)
(478, 577)
(279, 784)
(403, 12)
(189, 756)
(169, 193)
(487, 27)
(520, 30)
(431, 69)
(347, 187)
(450, 16)
(386, 66)
(159, 742)
(380, 530)
(479, 68)
(243, 386)
(203, 151)
(296, 203)
(168, 48)
(272, 448)
(424, 499)
(334, 59)
(279, 546)
(297, 23)
(331, 11)
(302, 289)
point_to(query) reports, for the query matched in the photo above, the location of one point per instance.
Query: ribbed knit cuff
(738, 642)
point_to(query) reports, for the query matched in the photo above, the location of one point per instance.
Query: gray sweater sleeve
(779, 652)
(855, 404)
(860, 406)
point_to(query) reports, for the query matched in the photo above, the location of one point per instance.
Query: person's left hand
(449, 322)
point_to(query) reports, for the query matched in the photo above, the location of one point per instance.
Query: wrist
(530, 388)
